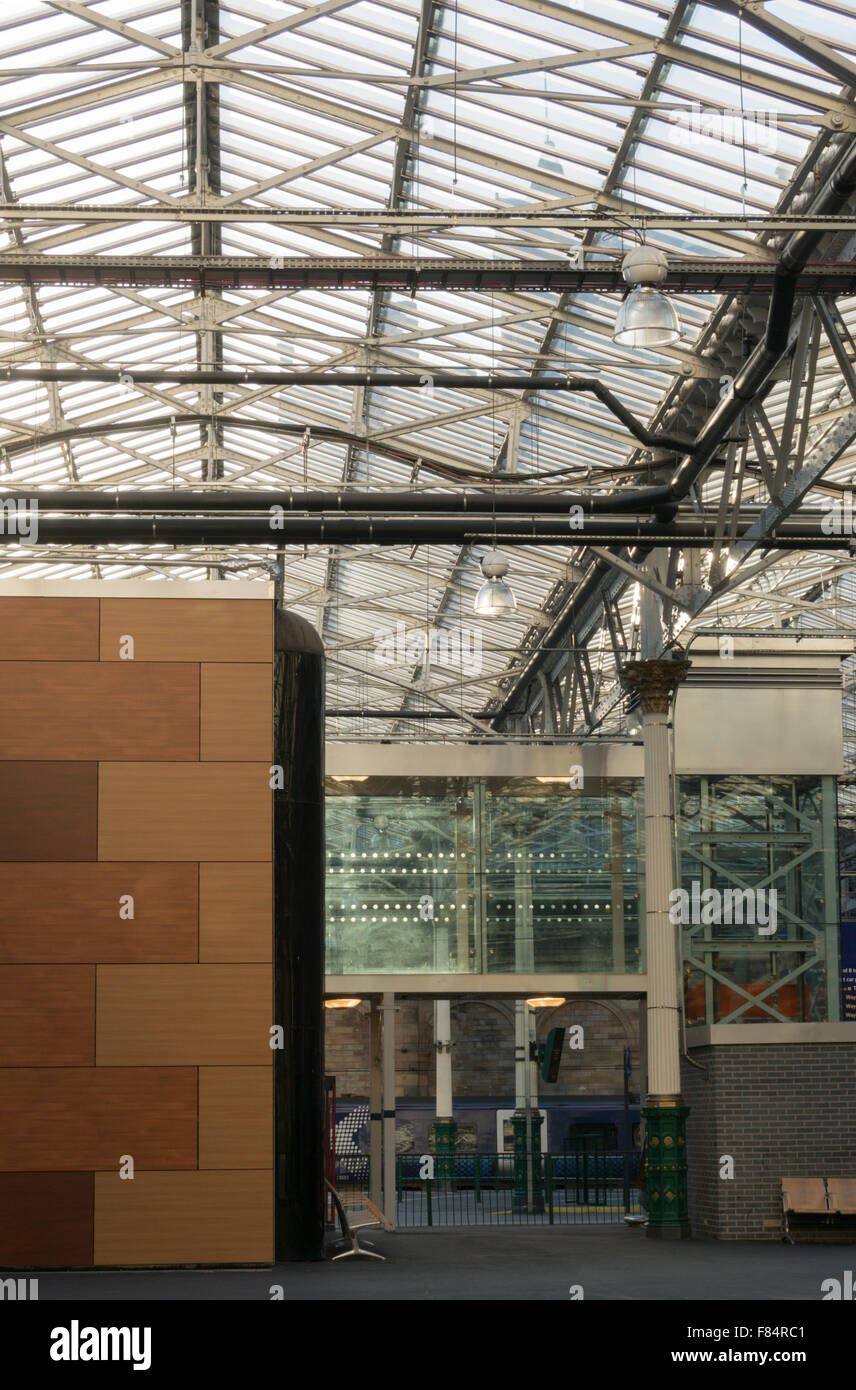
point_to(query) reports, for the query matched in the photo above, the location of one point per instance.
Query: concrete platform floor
(500, 1264)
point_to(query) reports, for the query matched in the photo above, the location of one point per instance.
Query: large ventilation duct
(525, 501)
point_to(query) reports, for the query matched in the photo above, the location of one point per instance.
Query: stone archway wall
(483, 1055)
(609, 1025)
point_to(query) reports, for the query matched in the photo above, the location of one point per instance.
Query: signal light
(552, 1054)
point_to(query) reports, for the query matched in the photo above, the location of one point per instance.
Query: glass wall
(758, 866)
(495, 875)
(484, 875)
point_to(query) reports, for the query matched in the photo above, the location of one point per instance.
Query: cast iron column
(665, 1113)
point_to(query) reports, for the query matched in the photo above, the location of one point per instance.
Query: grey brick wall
(785, 1110)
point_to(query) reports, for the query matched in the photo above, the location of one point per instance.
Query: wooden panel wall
(135, 931)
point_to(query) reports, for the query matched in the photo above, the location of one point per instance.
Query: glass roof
(120, 119)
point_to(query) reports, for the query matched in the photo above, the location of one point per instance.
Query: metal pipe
(350, 500)
(375, 380)
(358, 530)
(400, 714)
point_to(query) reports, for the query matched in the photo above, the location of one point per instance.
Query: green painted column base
(666, 1171)
(445, 1132)
(520, 1196)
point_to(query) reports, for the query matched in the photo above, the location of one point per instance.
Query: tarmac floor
(609, 1263)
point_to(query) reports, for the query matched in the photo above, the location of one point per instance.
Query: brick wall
(784, 1110)
(483, 1053)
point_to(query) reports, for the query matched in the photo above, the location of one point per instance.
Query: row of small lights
(333, 854)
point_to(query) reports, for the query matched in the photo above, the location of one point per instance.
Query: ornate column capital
(655, 681)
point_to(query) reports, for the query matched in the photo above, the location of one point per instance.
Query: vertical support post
(626, 1145)
(389, 1108)
(298, 844)
(524, 942)
(444, 1124)
(534, 1184)
(480, 878)
(616, 865)
(463, 914)
(375, 1106)
(521, 1092)
(831, 907)
(656, 680)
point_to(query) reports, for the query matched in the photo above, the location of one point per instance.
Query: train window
(584, 1134)
(637, 1136)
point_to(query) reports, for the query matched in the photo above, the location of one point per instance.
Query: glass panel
(561, 877)
(760, 905)
(399, 879)
(495, 875)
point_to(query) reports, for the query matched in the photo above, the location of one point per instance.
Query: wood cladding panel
(47, 1015)
(184, 1218)
(46, 1219)
(64, 1118)
(187, 629)
(183, 1015)
(236, 912)
(49, 629)
(236, 711)
(235, 1117)
(93, 710)
(169, 811)
(48, 811)
(70, 912)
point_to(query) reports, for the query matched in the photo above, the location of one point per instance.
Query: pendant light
(647, 318)
(494, 599)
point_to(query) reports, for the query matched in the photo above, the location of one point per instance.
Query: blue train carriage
(581, 1132)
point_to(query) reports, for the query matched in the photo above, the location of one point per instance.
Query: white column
(664, 1070)
(534, 1076)
(521, 1052)
(443, 1044)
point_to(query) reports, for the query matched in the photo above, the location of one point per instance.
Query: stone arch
(549, 1015)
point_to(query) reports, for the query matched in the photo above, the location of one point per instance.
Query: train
(570, 1123)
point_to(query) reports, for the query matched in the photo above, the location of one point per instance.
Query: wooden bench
(357, 1203)
(827, 1197)
(842, 1196)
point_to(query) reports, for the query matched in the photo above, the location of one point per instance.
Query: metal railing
(567, 1189)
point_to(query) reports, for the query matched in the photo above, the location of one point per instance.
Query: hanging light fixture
(494, 599)
(647, 318)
